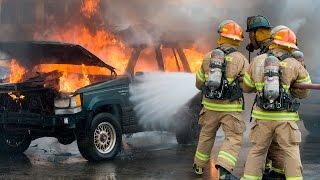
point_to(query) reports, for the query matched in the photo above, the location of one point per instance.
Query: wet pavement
(151, 155)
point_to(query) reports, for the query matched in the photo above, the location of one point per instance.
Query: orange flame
(71, 68)
(112, 50)
(101, 43)
(74, 76)
(89, 7)
(17, 71)
(194, 58)
(173, 62)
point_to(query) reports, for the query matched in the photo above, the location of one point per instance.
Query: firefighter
(259, 29)
(218, 79)
(275, 111)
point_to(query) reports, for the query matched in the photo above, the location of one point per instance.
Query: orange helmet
(284, 36)
(230, 29)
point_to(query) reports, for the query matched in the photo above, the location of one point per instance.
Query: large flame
(73, 76)
(108, 47)
(194, 58)
(89, 7)
(17, 72)
(71, 68)
(111, 49)
(101, 43)
(72, 82)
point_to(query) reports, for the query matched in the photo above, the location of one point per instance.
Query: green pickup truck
(95, 115)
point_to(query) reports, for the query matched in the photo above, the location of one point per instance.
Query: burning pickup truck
(64, 91)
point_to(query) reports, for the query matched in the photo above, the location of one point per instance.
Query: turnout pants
(288, 137)
(233, 127)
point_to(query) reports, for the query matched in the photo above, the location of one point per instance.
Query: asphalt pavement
(151, 155)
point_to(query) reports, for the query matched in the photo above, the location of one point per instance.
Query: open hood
(32, 53)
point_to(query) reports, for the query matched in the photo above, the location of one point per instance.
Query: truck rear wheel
(187, 129)
(103, 141)
(187, 133)
(13, 144)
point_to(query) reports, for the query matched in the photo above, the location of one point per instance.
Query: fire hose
(300, 86)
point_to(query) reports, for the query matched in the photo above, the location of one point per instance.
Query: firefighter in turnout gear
(259, 29)
(270, 75)
(218, 78)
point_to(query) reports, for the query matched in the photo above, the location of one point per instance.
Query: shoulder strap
(282, 57)
(228, 50)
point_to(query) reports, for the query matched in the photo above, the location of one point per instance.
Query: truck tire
(187, 133)
(13, 144)
(187, 129)
(104, 138)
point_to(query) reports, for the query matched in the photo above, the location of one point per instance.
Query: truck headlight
(71, 102)
(62, 103)
(75, 101)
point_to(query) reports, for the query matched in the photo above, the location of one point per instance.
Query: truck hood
(118, 81)
(31, 53)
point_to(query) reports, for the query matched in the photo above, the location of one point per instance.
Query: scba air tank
(215, 69)
(271, 78)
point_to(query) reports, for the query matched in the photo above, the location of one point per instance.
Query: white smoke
(158, 96)
(199, 19)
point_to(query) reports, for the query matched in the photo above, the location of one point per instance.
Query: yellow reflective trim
(201, 75)
(247, 80)
(294, 178)
(275, 116)
(222, 107)
(304, 80)
(259, 86)
(201, 156)
(248, 177)
(228, 58)
(230, 80)
(269, 166)
(283, 64)
(286, 87)
(200, 78)
(229, 157)
(280, 171)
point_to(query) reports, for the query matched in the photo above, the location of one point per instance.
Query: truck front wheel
(103, 141)
(13, 144)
